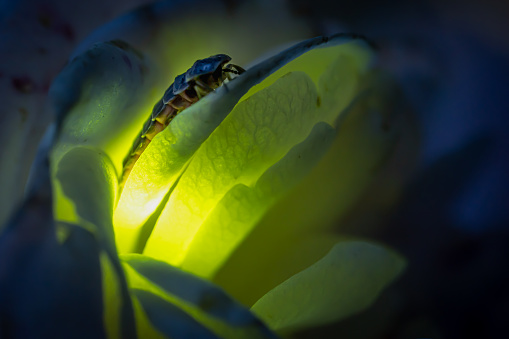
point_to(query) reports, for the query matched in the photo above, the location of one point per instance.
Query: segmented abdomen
(202, 78)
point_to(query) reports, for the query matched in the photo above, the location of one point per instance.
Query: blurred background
(450, 219)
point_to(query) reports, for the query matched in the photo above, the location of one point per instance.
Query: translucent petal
(85, 177)
(56, 30)
(102, 98)
(347, 280)
(169, 319)
(162, 163)
(243, 147)
(366, 138)
(242, 206)
(175, 291)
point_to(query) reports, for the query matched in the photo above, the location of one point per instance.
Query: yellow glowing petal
(365, 139)
(328, 66)
(161, 164)
(242, 206)
(167, 155)
(297, 252)
(256, 134)
(347, 280)
(63, 207)
(234, 154)
(87, 181)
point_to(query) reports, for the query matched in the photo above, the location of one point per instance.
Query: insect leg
(154, 129)
(203, 85)
(165, 113)
(186, 97)
(235, 69)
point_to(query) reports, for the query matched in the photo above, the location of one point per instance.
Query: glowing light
(239, 188)
(264, 126)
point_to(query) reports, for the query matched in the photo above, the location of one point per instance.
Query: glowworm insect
(201, 79)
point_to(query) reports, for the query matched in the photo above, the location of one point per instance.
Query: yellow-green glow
(236, 153)
(350, 277)
(241, 193)
(64, 208)
(156, 171)
(319, 63)
(143, 194)
(86, 179)
(152, 181)
(254, 136)
(333, 186)
(134, 208)
(242, 207)
(224, 182)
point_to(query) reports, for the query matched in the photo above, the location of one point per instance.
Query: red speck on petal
(66, 30)
(23, 84)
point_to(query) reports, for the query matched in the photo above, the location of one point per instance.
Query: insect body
(202, 78)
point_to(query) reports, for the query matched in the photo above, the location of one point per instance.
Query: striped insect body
(201, 79)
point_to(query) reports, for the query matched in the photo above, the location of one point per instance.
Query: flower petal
(366, 138)
(169, 319)
(86, 180)
(37, 37)
(162, 162)
(183, 292)
(101, 99)
(36, 250)
(347, 280)
(86, 177)
(243, 206)
(258, 132)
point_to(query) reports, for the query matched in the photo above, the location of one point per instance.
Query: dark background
(450, 221)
